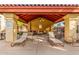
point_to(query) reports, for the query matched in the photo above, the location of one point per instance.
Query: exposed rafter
(53, 17)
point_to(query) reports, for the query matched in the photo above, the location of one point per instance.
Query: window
(2, 23)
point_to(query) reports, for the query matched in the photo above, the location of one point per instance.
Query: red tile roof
(40, 8)
(65, 5)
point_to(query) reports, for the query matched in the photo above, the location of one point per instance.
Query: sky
(39, 1)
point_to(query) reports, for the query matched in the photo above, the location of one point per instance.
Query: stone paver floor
(39, 46)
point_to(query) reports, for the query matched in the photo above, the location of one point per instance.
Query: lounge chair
(53, 41)
(20, 40)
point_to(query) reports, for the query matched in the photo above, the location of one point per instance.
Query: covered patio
(39, 23)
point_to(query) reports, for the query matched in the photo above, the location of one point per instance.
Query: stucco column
(11, 27)
(71, 27)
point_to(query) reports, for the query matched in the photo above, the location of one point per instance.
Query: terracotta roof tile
(75, 5)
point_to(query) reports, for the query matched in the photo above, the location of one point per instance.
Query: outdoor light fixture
(40, 26)
(41, 20)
